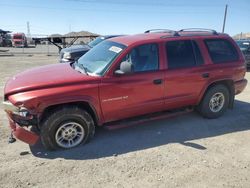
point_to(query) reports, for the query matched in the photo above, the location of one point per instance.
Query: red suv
(122, 78)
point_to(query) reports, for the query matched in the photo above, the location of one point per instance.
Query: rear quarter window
(221, 51)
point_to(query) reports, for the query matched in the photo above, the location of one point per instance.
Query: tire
(215, 102)
(66, 128)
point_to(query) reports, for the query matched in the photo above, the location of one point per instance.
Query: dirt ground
(186, 151)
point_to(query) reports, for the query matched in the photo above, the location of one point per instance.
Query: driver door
(136, 93)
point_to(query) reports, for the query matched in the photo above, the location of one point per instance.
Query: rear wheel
(215, 102)
(67, 128)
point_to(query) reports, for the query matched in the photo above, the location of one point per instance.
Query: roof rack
(175, 33)
(199, 30)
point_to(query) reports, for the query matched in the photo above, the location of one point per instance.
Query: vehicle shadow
(182, 129)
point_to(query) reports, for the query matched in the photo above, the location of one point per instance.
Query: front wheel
(66, 128)
(215, 102)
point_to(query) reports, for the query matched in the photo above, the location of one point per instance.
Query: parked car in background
(123, 81)
(5, 40)
(245, 48)
(73, 53)
(19, 40)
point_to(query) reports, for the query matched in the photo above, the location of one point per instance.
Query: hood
(46, 77)
(76, 48)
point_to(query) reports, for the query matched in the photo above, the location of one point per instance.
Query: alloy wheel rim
(69, 135)
(217, 102)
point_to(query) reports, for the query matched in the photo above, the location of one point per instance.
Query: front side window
(180, 54)
(221, 50)
(144, 58)
(97, 60)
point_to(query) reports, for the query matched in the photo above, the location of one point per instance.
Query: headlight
(21, 111)
(9, 107)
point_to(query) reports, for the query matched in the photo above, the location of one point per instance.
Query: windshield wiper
(82, 67)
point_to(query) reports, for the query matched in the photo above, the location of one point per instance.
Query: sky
(122, 17)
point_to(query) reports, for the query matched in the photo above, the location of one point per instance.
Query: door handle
(205, 75)
(157, 81)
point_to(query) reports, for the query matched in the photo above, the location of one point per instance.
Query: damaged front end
(20, 120)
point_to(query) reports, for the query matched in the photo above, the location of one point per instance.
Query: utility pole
(225, 18)
(28, 33)
(28, 30)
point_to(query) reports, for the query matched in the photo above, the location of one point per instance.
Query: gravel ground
(39, 49)
(186, 151)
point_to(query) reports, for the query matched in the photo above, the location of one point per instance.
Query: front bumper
(239, 86)
(18, 123)
(23, 134)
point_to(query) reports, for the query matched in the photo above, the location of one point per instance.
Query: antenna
(224, 21)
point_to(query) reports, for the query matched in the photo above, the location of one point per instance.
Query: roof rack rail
(159, 30)
(199, 30)
(175, 33)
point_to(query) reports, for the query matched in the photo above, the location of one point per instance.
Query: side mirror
(125, 68)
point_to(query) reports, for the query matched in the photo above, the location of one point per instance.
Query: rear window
(221, 51)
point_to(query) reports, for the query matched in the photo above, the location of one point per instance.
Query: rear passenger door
(185, 75)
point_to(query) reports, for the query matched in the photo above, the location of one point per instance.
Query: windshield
(17, 37)
(97, 60)
(96, 41)
(243, 44)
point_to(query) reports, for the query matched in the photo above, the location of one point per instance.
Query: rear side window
(180, 54)
(221, 51)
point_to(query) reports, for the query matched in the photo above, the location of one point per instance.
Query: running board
(146, 118)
